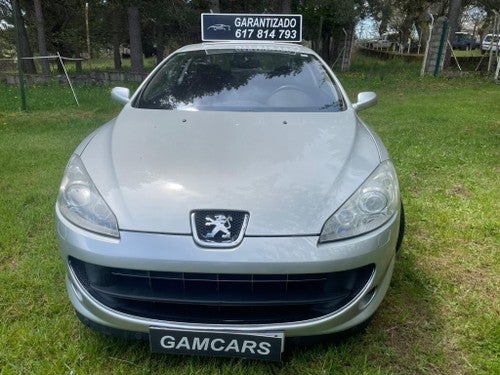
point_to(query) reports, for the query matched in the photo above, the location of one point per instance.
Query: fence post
(67, 77)
(442, 46)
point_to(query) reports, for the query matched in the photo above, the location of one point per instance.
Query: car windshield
(461, 36)
(232, 80)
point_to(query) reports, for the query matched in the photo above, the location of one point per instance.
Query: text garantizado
(216, 345)
(265, 22)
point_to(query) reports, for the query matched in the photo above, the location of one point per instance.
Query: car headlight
(372, 205)
(80, 202)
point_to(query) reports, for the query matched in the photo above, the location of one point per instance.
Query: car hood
(290, 171)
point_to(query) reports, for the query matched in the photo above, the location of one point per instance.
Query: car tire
(401, 228)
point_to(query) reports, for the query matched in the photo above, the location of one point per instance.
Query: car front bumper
(255, 255)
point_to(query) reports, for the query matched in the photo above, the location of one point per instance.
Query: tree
(215, 6)
(405, 17)
(116, 32)
(134, 29)
(42, 44)
(286, 7)
(24, 43)
(473, 15)
(65, 26)
(453, 21)
(330, 25)
(116, 19)
(7, 20)
(490, 5)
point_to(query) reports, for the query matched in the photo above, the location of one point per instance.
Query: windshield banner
(254, 27)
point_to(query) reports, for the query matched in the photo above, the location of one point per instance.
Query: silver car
(237, 201)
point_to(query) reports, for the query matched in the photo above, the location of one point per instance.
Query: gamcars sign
(267, 27)
(267, 346)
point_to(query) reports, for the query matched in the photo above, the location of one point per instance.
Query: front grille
(221, 298)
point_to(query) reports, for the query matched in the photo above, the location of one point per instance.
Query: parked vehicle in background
(386, 41)
(411, 46)
(463, 40)
(381, 43)
(487, 43)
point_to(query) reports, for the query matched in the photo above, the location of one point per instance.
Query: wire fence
(75, 66)
(69, 70)
(9, 64)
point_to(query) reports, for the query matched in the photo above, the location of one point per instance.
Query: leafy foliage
(167, 25)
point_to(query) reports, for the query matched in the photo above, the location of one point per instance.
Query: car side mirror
(366, 99)
(120, 94)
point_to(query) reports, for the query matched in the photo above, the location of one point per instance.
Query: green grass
(106, 64)
(464, 53)
(440, 316)
(95, 65)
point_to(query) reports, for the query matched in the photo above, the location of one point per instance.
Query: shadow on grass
(405, 336)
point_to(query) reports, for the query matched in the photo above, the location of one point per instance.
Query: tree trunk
(134, 29)
(24, 44)
(215, 6)
(453, 18)
(286, 7)
(423, 34)
(78, 64)
(40, 30)
(325, 48)
(347, 46)
(160, 44)
(116, 38)
(117, 58)
(320, 36)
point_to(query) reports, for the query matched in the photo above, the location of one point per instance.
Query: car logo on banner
(219, 26)
(220, 228)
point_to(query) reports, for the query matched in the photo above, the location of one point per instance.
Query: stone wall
(94, 78)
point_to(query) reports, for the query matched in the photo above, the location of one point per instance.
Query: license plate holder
(255, 345)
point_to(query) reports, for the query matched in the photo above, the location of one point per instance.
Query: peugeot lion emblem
(221, 223)
(219, 228)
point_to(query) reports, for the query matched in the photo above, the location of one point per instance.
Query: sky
(367, 29)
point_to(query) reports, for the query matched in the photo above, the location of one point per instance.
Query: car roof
(248, 46)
